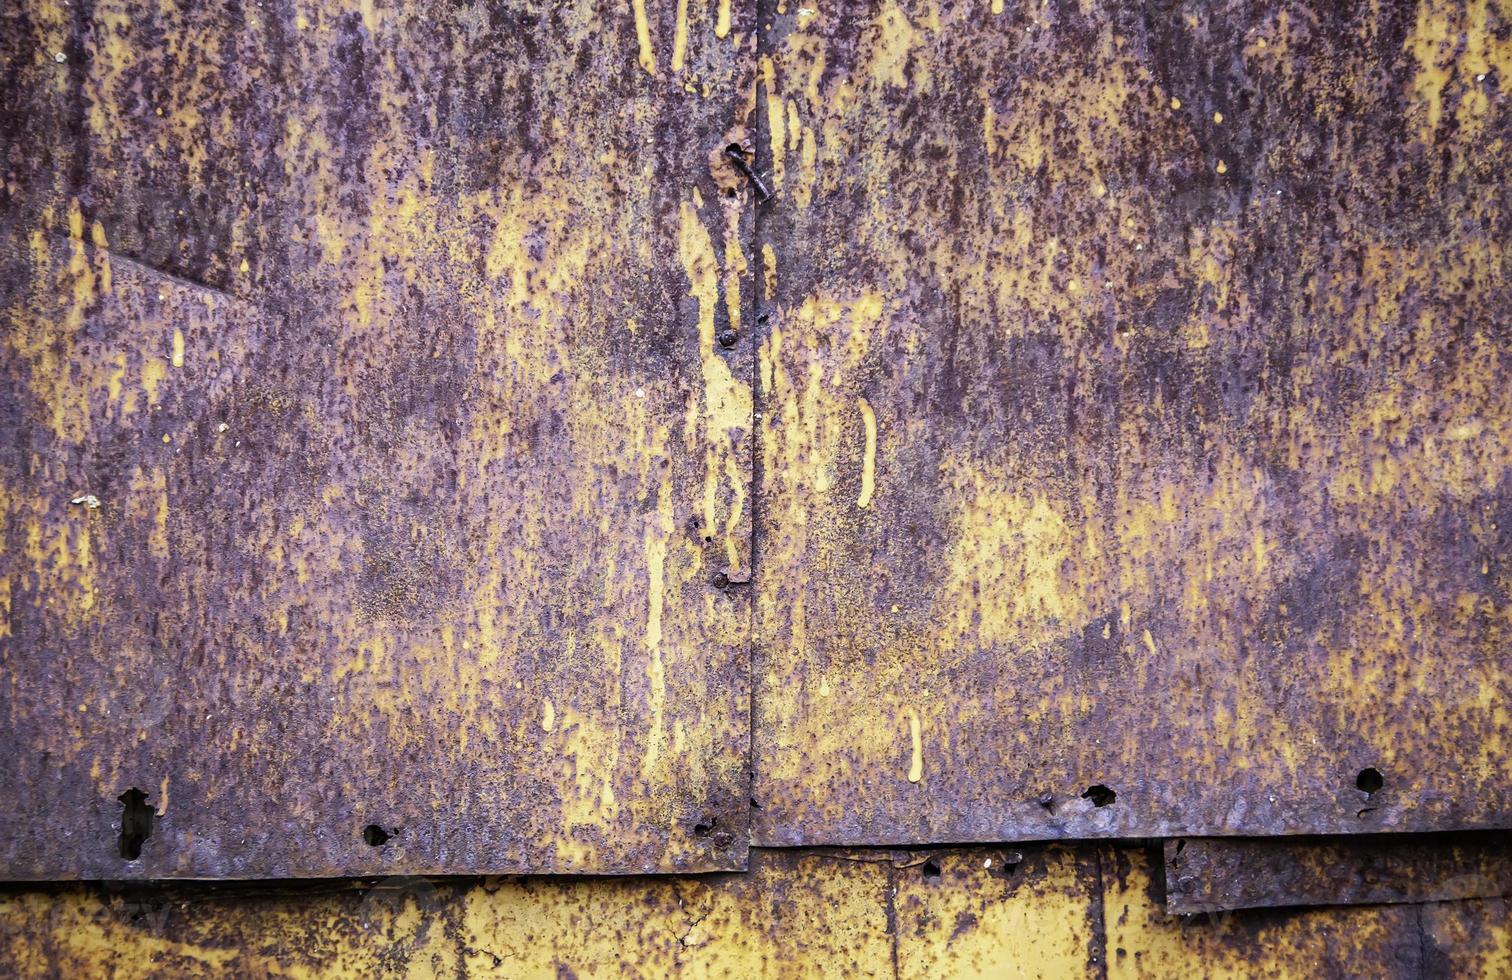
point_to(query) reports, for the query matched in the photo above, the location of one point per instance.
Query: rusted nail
(727, 338)
(737, 156)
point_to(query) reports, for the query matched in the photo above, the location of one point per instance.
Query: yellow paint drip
(680, 37)
(643, 36)
(869, 454)
(916, 736)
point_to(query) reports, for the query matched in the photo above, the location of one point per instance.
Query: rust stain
(377, 346)
(1185, 334)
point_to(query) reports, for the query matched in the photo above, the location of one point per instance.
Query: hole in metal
(1100, 795)
(1370, 780)
(375, 835)
(136, 823)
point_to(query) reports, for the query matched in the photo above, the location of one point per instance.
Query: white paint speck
(60, 57)
(640, 393)
(88, 500)
(222, 427)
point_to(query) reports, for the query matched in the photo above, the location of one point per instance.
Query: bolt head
(727, 338)
(721, 580)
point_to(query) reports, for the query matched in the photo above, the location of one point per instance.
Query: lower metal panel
(1212, 874)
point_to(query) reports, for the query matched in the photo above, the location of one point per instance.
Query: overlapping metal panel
(372, 460)
(1135, 431)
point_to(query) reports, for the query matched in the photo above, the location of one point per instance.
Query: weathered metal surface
(791, 915)
(1210, 874)
(1000, 912)
(384, 338)
(1467, 939)
(1135, 420)
(1338, 941)
(795, 914)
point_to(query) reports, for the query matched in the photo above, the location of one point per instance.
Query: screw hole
(931, 869)
(1100, 795)
(136, 823)
(735, 148)
(1047, 800)
(705, 829)
(1370, 781)
(375, 835)
(1005, 865)
(729, 192)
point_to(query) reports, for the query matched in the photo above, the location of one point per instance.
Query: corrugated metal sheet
(1136, 445)
(372, 456)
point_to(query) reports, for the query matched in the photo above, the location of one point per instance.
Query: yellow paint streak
(643, 37)
(657, 532)
(548, 716)
(680, 36)
(178, 348)
(916, 738)
(725, 419)
(722, 20)
(869, 454)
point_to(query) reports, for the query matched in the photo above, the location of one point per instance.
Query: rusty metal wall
(429, 448)
(1136, 446)
(371, 455)
(1057, 911)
